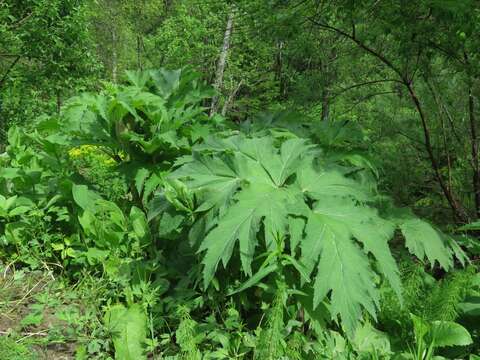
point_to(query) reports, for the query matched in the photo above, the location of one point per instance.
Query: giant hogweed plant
(287, 211)
(139, 128)
(143, 126)
(269, 204)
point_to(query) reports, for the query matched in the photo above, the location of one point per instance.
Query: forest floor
(37, 316)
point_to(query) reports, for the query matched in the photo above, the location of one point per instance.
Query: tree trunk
(282, 89)
(114, 55)
(457, 209)
(139, 52)
(475, 160)
(10, 68)
(59, 101)
(328, 78)
(222, 62)
(441, 112)
(231, 98)
(325, 104)
(473, 139)
(3, 132)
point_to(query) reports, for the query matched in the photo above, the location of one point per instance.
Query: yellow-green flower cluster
(91, 152)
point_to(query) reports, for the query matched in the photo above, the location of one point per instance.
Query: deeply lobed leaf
(293, 192)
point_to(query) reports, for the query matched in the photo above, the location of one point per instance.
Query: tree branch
(457, 209)
(365, 47)
(12, 65)
(342, 90)
(365, 98)
(473, 139)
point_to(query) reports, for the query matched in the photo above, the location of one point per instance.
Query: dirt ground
(25, 319)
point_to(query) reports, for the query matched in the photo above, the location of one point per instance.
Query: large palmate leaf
(241, 222)
(208, 172)
(365, 225)
(147, 123)
(342, 270)
(425, 241)
(318, 182)
(259, 192)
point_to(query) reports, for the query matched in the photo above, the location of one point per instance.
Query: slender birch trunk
(218, 83)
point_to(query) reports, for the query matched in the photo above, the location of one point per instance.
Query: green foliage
(293, 213)
(261, 191)
(9, 349)
(186, 336)
(45, 55)
(370, 341)
(429, 336)
(144, 119)
(240, 235)
(128, 328)
(142, 127)
(271, 344)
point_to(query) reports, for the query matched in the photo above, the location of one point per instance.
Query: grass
(33, 320)
(12, 350)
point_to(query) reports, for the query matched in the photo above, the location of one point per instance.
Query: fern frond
(185, 336)
(270, 344)
(447, 295)
(395, 315)
(294, 347)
